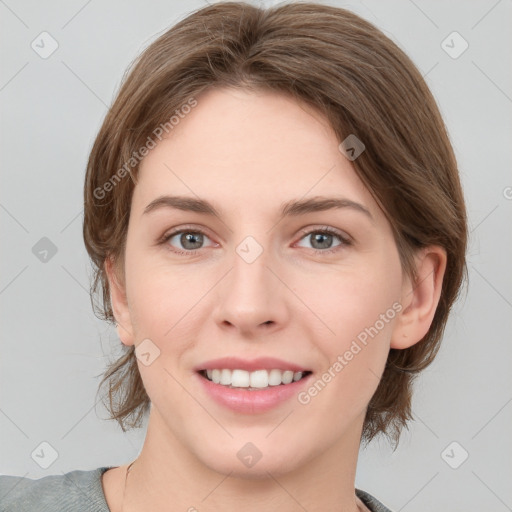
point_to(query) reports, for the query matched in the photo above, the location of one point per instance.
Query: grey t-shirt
(80, 491)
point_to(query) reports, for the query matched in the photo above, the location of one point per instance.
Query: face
(319, 289)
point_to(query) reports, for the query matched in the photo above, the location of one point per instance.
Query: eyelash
(325, 230)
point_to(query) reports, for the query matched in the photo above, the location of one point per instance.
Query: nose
(251, 298)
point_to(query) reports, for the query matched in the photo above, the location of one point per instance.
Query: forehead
(249, 148)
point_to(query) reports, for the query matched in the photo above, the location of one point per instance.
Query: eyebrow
(292, 208)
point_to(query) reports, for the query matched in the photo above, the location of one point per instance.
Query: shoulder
(371, 502)
(75, 490)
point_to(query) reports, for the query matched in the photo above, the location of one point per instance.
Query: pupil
(187, 238)
(327, 237)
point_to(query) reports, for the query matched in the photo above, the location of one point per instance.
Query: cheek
(164, 308)
(351, 302)
(358, 308)
(160, 294)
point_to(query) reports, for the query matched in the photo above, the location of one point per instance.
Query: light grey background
(52, 346)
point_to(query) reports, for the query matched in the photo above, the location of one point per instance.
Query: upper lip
(260, 363)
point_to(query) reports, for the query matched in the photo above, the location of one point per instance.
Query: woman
(275, 214)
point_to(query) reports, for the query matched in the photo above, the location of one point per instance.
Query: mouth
(257, 380)
(255, 389)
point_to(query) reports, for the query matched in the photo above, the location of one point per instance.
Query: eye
(190, 240)
(322, 239)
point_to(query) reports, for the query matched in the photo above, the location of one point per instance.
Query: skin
(248, 153)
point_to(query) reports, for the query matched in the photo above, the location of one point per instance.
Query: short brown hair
(350, 72)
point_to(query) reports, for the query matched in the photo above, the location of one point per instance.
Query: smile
(259, 379)
(252, 392)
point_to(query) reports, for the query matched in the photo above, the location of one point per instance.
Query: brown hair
(363, 84)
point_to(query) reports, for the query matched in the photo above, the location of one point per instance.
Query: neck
(166, 474)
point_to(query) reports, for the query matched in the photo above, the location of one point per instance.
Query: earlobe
(421, 298)
(119, 304)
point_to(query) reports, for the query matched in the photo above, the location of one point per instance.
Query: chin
(247, 460)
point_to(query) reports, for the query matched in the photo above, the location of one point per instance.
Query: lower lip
(252, 402)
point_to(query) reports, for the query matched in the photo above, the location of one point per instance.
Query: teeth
(257, 379)
(287, 377)
(275, 377)
(225, 377)
(236, 378)
(253, 380)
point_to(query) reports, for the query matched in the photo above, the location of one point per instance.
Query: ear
(420, 298)
(119, 303)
